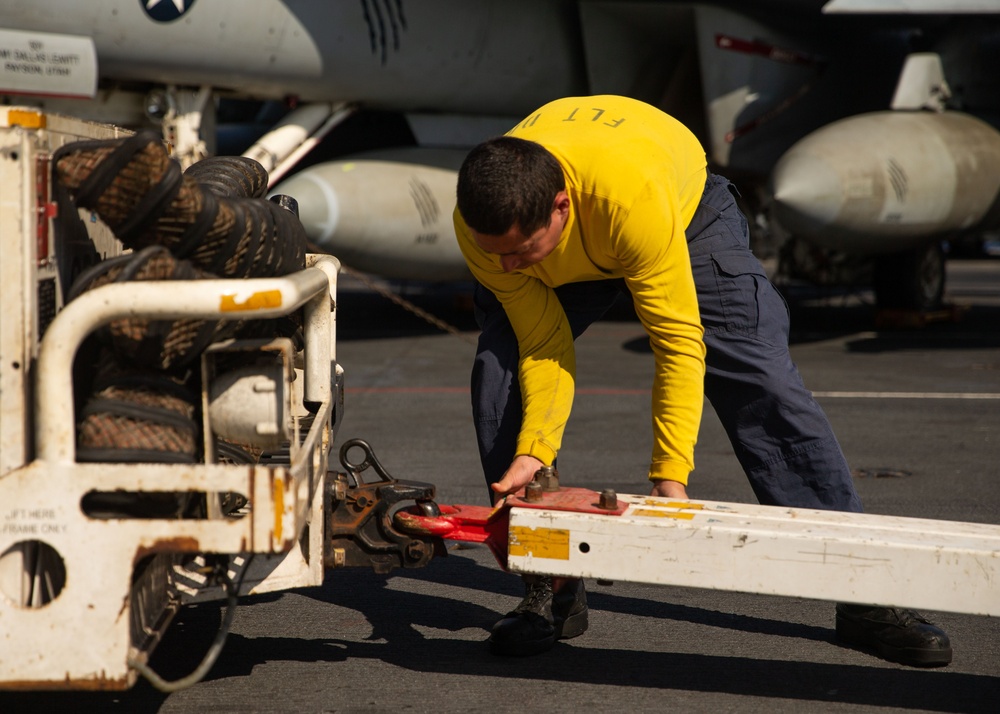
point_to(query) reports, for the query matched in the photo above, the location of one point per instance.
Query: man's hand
(668, 489)
(520, 473)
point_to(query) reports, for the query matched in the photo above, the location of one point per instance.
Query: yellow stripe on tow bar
(662, 514)
(551, 543)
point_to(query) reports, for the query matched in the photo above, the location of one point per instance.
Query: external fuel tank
(889, 181)
(387, 216)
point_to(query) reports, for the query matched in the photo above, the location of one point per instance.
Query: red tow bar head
(480, 524)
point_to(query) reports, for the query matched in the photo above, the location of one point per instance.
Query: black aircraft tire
(913, 280)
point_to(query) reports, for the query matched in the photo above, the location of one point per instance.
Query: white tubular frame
(257, 298)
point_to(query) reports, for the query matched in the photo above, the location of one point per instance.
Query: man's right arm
(547, 367)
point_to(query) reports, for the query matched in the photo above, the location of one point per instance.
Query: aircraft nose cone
(807, 192)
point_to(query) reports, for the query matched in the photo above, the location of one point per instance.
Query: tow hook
(360, 530)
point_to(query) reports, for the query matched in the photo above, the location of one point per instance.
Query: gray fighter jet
(860, 132)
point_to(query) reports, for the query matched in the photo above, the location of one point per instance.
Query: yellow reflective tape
(27, 119)
(674, 504)
(278, 488)
(257, 301)
(552, 543)
(662, 514)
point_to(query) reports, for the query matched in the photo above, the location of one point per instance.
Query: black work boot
(541, 618)
(894, 634)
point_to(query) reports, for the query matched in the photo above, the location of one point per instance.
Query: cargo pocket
(741, 281)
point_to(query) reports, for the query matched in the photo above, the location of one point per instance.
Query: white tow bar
(825, 555)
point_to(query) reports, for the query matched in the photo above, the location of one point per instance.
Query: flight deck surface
(915, 411)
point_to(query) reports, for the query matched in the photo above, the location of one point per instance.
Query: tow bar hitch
(360, 530)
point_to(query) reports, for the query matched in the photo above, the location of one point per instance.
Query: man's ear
(561, 204)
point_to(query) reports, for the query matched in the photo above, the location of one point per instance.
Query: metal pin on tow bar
(548, 477)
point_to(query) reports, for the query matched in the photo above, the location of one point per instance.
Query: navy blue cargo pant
(780, 434)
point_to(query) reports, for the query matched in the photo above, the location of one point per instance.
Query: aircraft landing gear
(913, 280)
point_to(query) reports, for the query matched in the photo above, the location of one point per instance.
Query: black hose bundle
(142, 195)
(232, 176)
(138, 416)
(158, 344)
(210, 221)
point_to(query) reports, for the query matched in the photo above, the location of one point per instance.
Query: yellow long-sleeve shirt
(634, 176)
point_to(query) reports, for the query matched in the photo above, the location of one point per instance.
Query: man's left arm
(653, 251)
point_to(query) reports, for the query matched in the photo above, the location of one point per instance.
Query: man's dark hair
(507, 181)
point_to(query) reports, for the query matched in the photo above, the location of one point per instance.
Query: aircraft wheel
(911, 280)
